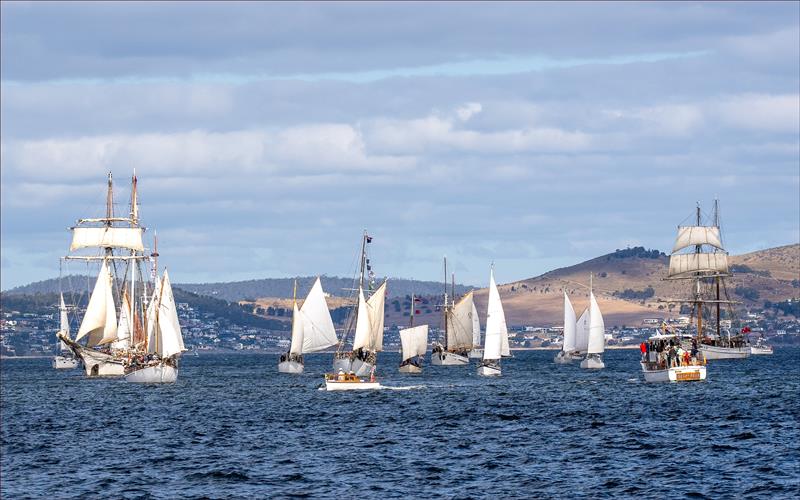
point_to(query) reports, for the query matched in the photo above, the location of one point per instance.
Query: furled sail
(680, 264)
(107, 237)
(100, 321)
(476, 327)
(64, 323)
(569, 325)
(375, 306)
(597, 329)
(689, 236)
(495, 323)
(459, 331)
(361, 338)
(124, 327)
(414, 341)
(297, 332)
(318, 330)
(582, 332)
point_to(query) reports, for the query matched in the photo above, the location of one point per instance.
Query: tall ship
(113, 323)
(65, 359)
(496, 331)
(365, 322)
(458, 321)
(699, 259)
(312, 329)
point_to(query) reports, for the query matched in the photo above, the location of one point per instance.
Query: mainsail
(100, 321)
(414, 341)
(476, 327)
(496, 328)
(318, 330)
(297, 332)
(369, 322)
(597, 329)
(570, 325)
(460, 332)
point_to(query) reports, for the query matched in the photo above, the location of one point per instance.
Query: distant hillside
(283, 287)
(629, 285)
(74, 283)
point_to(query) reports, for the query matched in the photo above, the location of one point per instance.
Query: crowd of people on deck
(668, 353)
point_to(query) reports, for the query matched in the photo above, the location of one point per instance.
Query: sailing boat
(312, 329)
(164, 340)
(596, 336)
(104, 353)
(570, 326)
(367, 318)
(458, 329)
(706, 265)
(65, 360)
(495, 331)
(413, 343)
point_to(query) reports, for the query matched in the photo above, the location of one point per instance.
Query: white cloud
(762, 112)
(469, 109)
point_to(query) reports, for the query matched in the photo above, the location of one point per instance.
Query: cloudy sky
(266, 137)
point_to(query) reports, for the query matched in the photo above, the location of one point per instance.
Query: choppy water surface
(233, 427)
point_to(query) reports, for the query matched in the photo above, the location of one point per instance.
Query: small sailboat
(760, 348)
(597, 336)
(664, 361)
(65, 360)
(495, 331)
(413, 343)
(477, 350)
(164, 343)
(570, 325)
(458, 329)
(312, 330)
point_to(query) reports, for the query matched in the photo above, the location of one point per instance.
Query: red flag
(417, 311)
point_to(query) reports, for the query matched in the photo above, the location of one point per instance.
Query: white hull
(488, 371)
(562, 358)
(157, 374)
(290, 367)
(410, 369)
(445, 358)
(96, 363)
(593, 362)
(332, 385)
(760, 350)
(343, 364)
(717, 352)
(362, 368)
(675, 374)
(64, 363)
(476, 354)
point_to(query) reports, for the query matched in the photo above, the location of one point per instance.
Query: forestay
(414, 341)
(107, 237)
(100, 320)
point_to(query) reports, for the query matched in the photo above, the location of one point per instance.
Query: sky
(267, 136)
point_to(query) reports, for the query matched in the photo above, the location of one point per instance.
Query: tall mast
(444, 309)
(134, 217)
(363, 259)
(698, 302)
(453, 286)
(154, 256)
(109, 201)
(716, 223)
(411, 321)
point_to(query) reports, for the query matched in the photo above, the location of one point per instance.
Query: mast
(411, 320)
(134, 221)
(444, 309)
(716, 223)
(698, 302)
(363, 259)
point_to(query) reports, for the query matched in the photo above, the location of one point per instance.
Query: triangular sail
(495, 323)
(582, 332)
(375, 306)
(569, 325)
(476, 327)
(63, 324)
(100, 321)
(414, 341)
(318, 330)
(124, 327)
(297, 332)
(361, 338)
(460, 326)
(171, 341)
(597, 329)
(152, 324)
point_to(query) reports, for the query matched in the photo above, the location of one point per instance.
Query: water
(233, 427)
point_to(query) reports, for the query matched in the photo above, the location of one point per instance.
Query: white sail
(689, 236)
(361, 338)
(152, 316)
(459, 332)
(64, 323)
(124, 327)
(107, 237)
(582, 332)
(698, 262)
(171, 341)
(495, 323)
(100, 320)
(318, 330)
(414, 341)
(297, 331)
(597, 329)
(476, 327)
(569, 325)
(375, 306)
